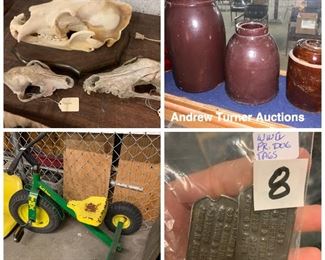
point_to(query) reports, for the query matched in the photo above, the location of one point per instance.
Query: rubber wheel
(125, 212)
(48, 217)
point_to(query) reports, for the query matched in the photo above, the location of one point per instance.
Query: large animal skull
(121, 81)
(36, 74)
(83, 25)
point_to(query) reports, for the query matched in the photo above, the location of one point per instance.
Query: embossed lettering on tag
(263, 235)
(213, 229)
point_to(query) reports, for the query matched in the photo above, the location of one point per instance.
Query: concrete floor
(277, 29)
(72, 241)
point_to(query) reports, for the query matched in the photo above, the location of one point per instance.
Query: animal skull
(83, 25)
(122, 80)
(38, 74)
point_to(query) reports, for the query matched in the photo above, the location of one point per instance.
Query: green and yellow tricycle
(39, 208)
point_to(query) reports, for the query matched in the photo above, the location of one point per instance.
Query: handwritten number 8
(275, 185)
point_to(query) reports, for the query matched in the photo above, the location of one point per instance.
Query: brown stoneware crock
(304, 75)
(195, 39)
(252, 64)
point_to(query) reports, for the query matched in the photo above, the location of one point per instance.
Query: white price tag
(276, 145)
(279, 183)
(69, 104)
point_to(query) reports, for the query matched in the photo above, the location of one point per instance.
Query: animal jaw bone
(38, 74)
(122, 80)
(83, 25)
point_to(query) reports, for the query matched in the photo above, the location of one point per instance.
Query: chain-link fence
(124, 167)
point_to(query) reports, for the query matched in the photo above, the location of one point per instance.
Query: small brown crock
(304, 75)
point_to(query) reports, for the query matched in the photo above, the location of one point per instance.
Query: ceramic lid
(309, 50)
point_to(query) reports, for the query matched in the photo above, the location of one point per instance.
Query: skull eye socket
(32, 90)
(69, 34)
(144, 89)
(35, 34)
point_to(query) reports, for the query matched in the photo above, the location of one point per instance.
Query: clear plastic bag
(220, 165)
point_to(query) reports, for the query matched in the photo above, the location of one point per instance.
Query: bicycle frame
(38, 185)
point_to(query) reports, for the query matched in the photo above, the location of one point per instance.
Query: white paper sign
(276, 145)
(279, 183)
(69, 104)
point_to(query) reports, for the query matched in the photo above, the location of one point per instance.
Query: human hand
(227, 178)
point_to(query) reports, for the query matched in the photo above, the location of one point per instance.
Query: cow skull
(122, 80)
(36, 74)
(83, 25)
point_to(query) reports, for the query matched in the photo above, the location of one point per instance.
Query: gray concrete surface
(72, 241)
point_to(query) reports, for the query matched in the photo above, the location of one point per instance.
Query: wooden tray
(183, 106)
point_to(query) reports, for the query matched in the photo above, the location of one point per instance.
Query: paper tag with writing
(69, 104)
(276, 145)
(279, 183)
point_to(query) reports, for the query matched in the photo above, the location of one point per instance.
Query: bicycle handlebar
(23, 152)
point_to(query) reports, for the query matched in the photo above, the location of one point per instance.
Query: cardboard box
(307, 23)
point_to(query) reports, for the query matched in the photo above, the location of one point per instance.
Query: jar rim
(251, 28)
(303, 62)
(311, 44)
(189, 3)
(309, 50)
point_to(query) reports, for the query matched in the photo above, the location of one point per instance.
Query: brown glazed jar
(252, 64)
(196, 42)
(304, 75)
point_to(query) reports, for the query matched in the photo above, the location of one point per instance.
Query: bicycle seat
(90, 211)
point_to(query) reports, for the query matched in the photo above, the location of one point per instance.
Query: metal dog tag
(213, 229)
(263, 235)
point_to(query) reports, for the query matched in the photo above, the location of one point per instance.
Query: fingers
(305, 253)
(308, 218)
(226, 178)
(177, 224)
(303, 153)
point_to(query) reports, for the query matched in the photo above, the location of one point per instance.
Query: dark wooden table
(96, 110)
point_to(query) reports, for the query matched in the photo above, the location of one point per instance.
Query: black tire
(127, 209)
(21, 197)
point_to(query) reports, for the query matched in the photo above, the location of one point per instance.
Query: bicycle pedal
(213, 229)
(19, 233)
(263, 235)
